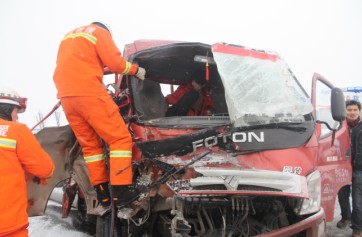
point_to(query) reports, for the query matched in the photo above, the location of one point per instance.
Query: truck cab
(266, 160)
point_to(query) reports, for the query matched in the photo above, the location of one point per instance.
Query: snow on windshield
(260, 91)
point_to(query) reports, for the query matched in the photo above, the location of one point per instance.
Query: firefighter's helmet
(10, 96)
(103, 25)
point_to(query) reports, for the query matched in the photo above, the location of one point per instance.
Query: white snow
(52, 224)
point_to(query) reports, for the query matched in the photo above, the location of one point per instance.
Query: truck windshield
(259, 87)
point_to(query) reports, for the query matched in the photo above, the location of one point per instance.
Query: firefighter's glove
(37, 180)
(141, 73)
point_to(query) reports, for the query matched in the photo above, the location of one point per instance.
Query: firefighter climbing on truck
(83, 54)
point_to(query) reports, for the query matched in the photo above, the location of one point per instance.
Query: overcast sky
(310, 35)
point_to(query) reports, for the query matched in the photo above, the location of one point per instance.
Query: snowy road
(332, 230)
(52, 224)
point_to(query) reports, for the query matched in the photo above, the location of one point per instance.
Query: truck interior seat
(153, 102)
(218, 97)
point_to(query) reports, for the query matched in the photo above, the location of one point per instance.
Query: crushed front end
(247, 169)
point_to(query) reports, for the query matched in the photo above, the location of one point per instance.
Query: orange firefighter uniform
(90, 111)
(19, 151)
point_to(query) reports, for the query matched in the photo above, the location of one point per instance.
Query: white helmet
(103, 25)
(10, 96)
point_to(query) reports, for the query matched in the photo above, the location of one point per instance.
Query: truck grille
(257, 188)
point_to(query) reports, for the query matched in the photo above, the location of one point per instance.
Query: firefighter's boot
(124, 194)
(103, 195)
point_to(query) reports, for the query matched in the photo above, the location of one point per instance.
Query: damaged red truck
(268, 160)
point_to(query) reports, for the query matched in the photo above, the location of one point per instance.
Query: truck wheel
(104, 223)
(84, 221)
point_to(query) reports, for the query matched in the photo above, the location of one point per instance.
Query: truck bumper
(313, 226)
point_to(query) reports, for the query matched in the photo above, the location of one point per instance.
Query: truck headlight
(311, 205)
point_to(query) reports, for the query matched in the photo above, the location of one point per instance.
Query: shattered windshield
(259, 87)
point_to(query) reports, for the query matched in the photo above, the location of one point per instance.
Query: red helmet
(10, 96)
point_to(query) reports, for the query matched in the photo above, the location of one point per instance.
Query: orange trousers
(18, 233)
(93, 119)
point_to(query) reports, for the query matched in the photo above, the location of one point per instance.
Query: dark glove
(38, 180)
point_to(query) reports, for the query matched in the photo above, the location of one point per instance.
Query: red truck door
(334, 153)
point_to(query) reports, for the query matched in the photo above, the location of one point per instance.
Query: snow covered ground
(332, 230)
(53, 225)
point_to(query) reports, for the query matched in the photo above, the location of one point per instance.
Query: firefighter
(19, 152)
(91, 112)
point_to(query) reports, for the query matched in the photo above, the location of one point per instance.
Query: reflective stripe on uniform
(128, 68)
(94, 158)
(121, 154)
(86, 36)
(8, 143)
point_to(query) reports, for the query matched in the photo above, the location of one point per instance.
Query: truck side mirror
(338, 105)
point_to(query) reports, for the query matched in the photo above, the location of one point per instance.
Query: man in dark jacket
(353, 117)
(356, 145)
